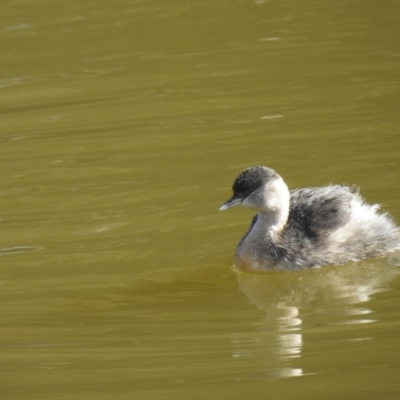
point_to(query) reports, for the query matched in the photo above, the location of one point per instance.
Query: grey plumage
(307, 227)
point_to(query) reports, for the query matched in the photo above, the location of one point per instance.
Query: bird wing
(316, 212)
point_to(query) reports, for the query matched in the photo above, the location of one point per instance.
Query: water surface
(122, 128)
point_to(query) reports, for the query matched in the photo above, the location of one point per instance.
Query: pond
(123, 125)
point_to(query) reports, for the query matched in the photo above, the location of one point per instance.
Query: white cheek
(250, 203)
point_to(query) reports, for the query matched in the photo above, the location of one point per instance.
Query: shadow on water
(204, 311)
(318, 302)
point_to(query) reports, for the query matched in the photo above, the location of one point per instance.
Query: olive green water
(122, 127)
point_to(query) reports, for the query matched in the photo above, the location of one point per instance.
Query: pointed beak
(230, 203)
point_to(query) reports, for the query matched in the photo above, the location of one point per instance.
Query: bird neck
(273, 222)
(274, 214)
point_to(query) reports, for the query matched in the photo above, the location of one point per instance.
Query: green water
(122, 127)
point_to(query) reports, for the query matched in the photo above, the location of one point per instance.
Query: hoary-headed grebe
(308, 227)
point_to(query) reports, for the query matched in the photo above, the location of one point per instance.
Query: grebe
(307, 227)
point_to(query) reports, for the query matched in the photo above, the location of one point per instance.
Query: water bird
(309, 227)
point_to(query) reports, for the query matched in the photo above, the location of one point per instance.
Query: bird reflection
(334, 295)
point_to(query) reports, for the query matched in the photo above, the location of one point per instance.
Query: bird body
(307, 227)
